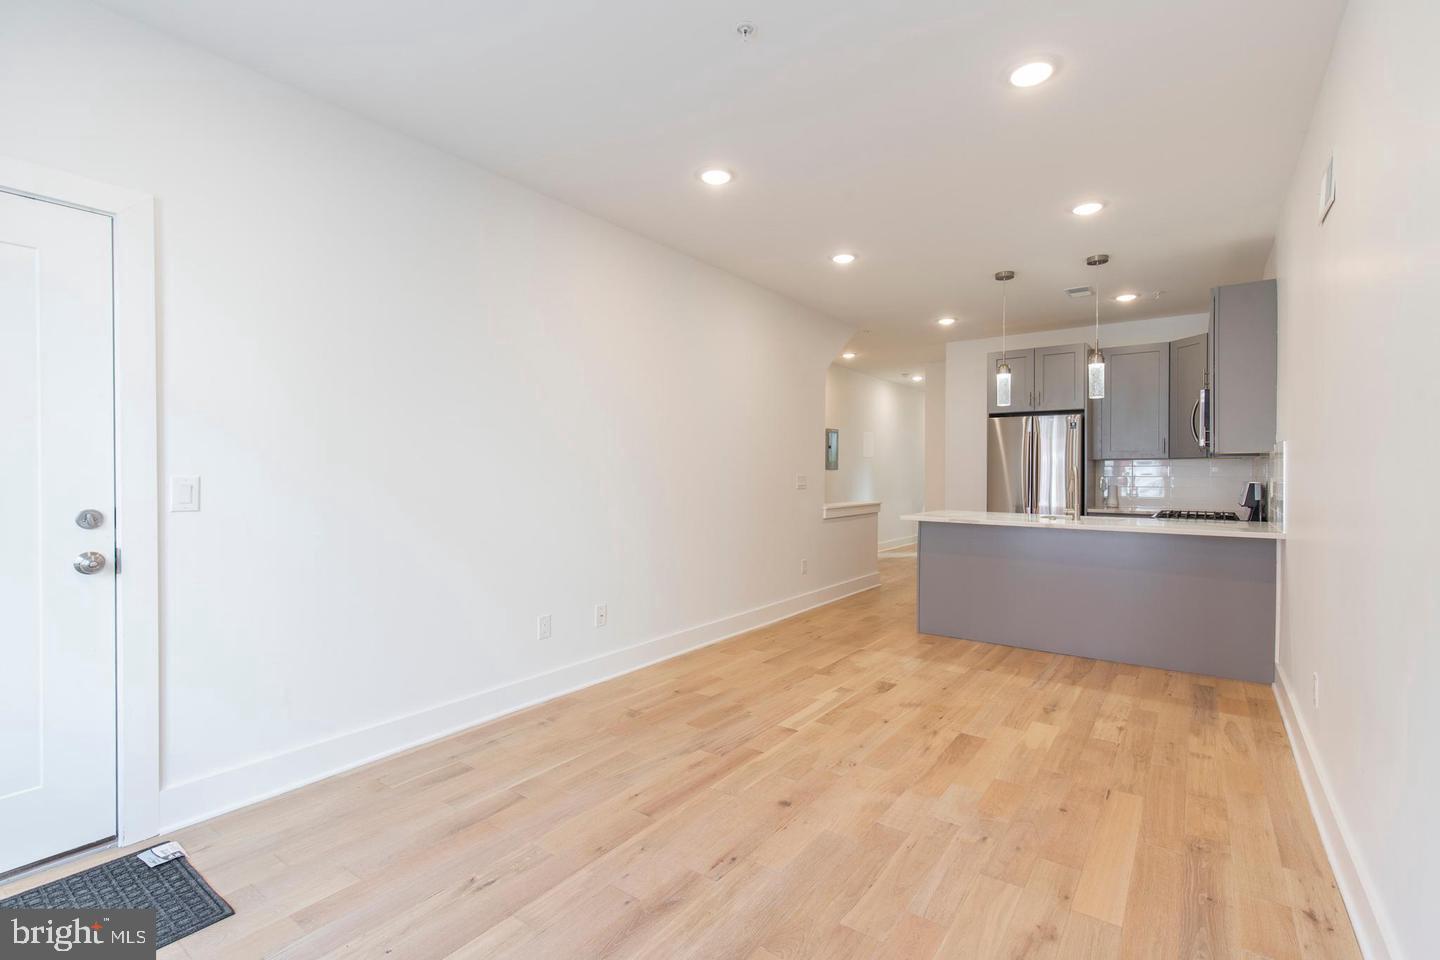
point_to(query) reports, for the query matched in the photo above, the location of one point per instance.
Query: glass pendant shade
(1002, 372)
(1097, 376)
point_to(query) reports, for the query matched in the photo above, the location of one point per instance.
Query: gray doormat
(183, 902)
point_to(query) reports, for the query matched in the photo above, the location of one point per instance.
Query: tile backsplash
(1144, 486)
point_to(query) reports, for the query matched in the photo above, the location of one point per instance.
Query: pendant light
(1002, 372)
(1096, 376)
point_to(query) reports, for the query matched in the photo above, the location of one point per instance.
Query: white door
(57, 624)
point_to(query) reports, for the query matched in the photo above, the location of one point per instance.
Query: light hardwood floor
(832, 786)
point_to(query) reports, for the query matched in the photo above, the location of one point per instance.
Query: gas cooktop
(1194, 515)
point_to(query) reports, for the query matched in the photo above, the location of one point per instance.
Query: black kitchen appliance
(1254, 501)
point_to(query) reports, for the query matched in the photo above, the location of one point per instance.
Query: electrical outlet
(801, 481)
(804, 565)
(1315, 690)
(602, 614)
(542, 627)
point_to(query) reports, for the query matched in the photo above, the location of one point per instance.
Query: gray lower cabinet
(1060, 377)
(1189, 363)
(1194, 604)
(1133, 420)
(1243, 368)
(1022, 381)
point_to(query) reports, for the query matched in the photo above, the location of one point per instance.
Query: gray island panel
(1192, 603)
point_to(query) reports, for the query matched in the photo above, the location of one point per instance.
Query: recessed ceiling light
(1031, 74)
(1127, 297)
(847, 355)
(946, 321)
(1088, 208)
(843, 258)
(717, 177)
(916, 378)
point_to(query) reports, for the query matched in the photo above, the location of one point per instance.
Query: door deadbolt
(89, 519)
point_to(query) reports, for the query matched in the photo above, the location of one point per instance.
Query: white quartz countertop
(1185, 528)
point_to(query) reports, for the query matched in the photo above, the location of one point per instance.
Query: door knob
(90, 562)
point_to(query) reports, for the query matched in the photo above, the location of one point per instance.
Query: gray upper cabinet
(1189, 362)
(1022, 381)
(1060, 377)
(1243, 364)
(1134, 417)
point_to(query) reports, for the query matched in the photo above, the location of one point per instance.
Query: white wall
(935, 436)
(1359, 339)
(966, 372)
(427, 405)
(894, 414)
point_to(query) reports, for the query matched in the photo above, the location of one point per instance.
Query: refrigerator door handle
(1027, 465)
(1072, 466)
(1034, 466)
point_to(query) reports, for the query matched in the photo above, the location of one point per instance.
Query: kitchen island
(1191, 595)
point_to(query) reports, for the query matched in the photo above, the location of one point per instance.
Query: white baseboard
(898, 542)
(188, 802)
(1367, 916)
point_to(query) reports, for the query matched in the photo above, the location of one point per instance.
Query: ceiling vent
(1079, 293)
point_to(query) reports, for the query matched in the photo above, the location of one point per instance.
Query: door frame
(137, 491)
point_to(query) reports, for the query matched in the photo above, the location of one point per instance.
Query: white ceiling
(883, 128)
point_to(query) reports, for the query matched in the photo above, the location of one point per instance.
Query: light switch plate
(184, 494)
(801, 481)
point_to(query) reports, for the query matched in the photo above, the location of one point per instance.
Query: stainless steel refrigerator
(1036, 464)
